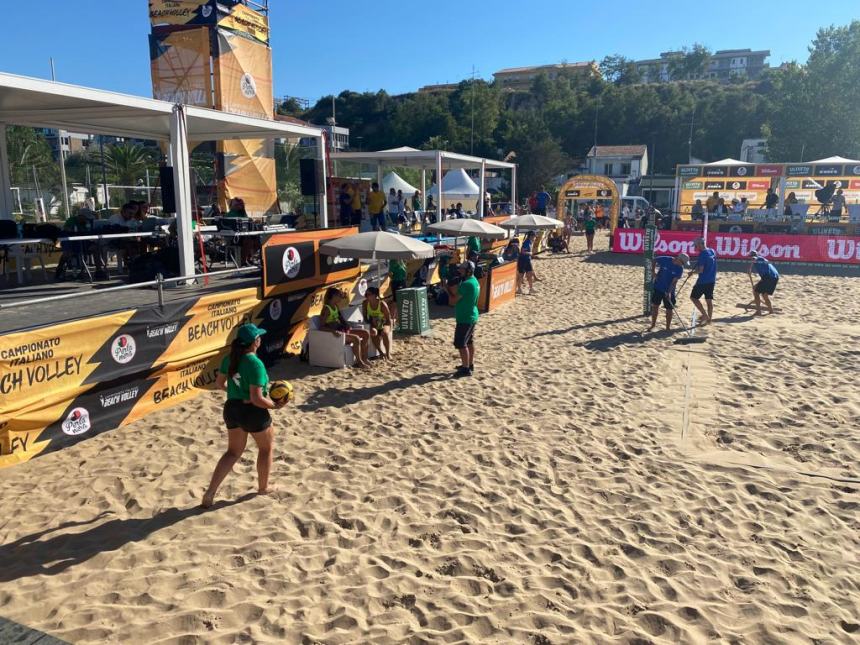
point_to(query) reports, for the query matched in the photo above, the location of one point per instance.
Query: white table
(20, 254)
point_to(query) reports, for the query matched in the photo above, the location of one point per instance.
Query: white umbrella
(468, 227)
(378, 245)
(532, 222)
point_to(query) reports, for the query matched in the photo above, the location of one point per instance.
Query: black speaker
(308, 176)
(168, 192)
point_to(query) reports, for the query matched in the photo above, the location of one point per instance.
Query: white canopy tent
(46, 104)
(395, 181)
(456, 184)
(432, 160)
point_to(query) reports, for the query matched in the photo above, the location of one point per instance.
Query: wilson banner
(826, 249)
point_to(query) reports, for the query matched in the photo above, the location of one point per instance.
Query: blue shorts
(378, 221)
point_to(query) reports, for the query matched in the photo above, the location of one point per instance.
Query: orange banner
(180, 67)
(243, 76)
(249, 173)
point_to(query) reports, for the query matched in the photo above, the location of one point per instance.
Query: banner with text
(830, 249)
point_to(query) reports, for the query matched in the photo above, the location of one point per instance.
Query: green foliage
(619, 70)
(690, 64)
(816, 107)
(29, 155)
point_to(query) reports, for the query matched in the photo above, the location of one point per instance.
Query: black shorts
(660, 298)
(766, 285)
(589, 234)
(238, 414)
(524, 264)
(700, 290)
(541, 211)
(464, 334)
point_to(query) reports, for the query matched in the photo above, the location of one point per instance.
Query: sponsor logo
(362, 287)
(157, 331)
(123, 348)
(768, 171)
(206, 11)
(855, 170)
(78, 422)
(502, 289)
(115, 398)
(291, 262)
(738, 185)
(248, 86)
(275, 309)
(742, 172)
(843, 249)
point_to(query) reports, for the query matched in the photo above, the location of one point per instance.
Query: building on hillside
(519, 79)
(621, 163)
(753, 151)
(724, 65)
(441, 88)
(71, 142)
(625, 165)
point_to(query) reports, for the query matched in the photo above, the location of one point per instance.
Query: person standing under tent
(768, 279)
(376, 207)
(473, 245)
(838, 204)
(668, 271)
(706, 268)
(465, 301)
(430, 215)
(393, 204)
(246, 412)
(355, 191)
(625, 217)
(345, 202)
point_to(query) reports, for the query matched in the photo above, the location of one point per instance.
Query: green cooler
(413, 312)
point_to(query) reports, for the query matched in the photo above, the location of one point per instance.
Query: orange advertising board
(292, 261)
(503, 285)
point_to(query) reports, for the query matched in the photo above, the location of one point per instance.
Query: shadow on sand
(336, 397)
(33, 556)
(591, 325)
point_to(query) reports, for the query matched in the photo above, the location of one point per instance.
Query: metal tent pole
(7, 203)
(514, 191)
(182, 189)
(438, 186)
(483, 189)
(324, 188)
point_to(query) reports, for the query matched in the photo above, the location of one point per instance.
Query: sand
(588, 485)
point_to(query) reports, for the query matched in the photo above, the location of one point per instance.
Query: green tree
(30, 157)
(690, 64)
(815, 107)
(620, 70)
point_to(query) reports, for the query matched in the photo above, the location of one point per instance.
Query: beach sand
(588, 485)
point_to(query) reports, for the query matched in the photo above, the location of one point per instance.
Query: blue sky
(326, 46)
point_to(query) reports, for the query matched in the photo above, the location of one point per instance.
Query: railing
(159, 283)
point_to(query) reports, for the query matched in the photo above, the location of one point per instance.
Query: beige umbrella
(532, 223)
(378, 245)
(467, 228)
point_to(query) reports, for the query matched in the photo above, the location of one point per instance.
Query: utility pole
(62, 157)
(472, 142)
(690, 140)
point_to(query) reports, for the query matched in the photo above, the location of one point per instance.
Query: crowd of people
(394, 209)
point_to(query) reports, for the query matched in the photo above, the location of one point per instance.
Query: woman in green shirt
(243, 376)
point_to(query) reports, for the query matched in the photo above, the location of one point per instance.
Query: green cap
(248, 333)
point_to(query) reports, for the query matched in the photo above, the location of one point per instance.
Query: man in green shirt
(473, 244)
(464, 297)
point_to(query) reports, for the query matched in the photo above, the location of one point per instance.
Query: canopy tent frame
(47, 104)
(433, 160)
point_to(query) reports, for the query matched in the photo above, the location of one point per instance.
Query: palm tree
(128, 163)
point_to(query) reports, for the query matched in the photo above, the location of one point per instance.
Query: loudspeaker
(308, 176)
(168, 193)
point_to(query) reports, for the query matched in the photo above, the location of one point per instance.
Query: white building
(753, 151)
(337, 138)
(621, 163)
